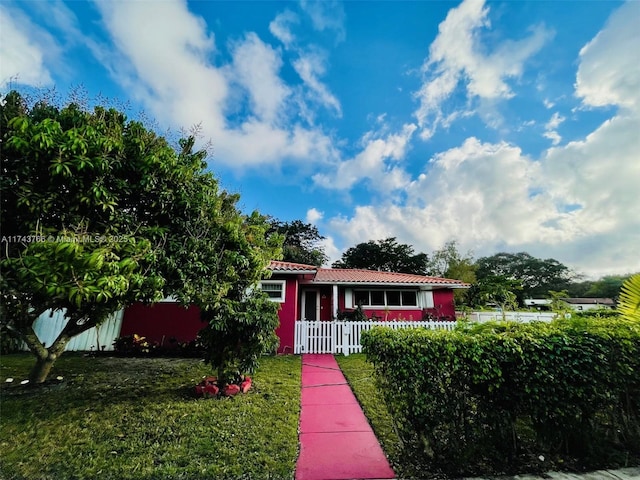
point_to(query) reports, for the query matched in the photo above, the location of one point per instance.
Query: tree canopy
(302, 242)
(385, 255)
(99, 212)
(536, 276)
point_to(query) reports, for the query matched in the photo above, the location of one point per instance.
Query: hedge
(489, 394)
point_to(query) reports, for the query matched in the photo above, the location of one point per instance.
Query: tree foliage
(385, 255)
(302, 242)
(98, 212)
(537, 276)
(629, 303)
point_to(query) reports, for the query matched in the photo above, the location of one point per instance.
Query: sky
(506, 126)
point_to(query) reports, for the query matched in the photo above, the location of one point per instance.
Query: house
(307, 292)
(589, 303)
(579, 304)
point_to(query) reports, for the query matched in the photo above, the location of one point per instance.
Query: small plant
(356, 315)
(134, 345)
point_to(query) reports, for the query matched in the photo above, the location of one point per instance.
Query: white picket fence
(344, 337)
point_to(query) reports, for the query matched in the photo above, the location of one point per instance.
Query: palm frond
(629, 301)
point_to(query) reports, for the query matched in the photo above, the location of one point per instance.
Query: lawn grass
(121, 418)
(360, 376)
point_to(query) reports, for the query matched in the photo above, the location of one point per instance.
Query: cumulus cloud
(376, 162)
(170, 61)
(314, 215)
(255, 67)
(23, 50)
(609, 72)
(458, 55)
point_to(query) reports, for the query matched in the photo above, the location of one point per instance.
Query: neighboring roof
(589, 301)
(351, 276)
(290, 267)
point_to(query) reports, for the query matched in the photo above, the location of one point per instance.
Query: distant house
(579, 304)
(307, 292)
(590, 303)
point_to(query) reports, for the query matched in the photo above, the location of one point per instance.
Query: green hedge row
(492, 394)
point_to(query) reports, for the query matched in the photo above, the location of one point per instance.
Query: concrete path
(336, 440)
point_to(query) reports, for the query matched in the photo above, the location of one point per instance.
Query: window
(385, 298)
(274, 289)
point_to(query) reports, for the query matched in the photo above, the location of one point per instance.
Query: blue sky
(506, 126)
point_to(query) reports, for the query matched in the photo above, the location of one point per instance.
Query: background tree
(98, 212)
(496, 289)
(448, 262)
(385, 255)
(537, 276)
(302, 242)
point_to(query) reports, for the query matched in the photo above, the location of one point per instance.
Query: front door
(311, 305)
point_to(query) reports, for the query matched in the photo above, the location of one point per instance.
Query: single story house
(579, 304)
(307, 292)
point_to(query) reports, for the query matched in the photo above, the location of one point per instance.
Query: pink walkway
(336, 440)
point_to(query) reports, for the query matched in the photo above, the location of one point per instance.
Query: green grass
(359, 374)
(118, 418)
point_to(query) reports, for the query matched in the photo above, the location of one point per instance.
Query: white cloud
(255, 67)
(168, 61)
(457, 55)
(280, 27)
(376, 162)
(326, 15)
(310, 66)
(551, 128)
(609, 72)
(314, 215)
(24, 48)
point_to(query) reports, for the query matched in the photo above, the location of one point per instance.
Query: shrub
(492, 392)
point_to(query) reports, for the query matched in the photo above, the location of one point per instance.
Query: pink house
(307, 292)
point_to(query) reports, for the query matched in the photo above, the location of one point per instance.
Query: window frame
(283, 291)
(357, 292)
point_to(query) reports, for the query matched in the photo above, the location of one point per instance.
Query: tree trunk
(46, 357)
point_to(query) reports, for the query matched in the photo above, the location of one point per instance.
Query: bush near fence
(491, 397)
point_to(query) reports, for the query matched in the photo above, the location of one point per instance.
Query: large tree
(448, 262)
(537, 276)
(385, 255)
(302, 242)
(99, 212)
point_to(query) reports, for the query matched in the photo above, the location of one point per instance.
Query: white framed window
(275, 289)
(385, 298)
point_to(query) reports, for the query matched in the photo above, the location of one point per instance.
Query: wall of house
(288, 313)
(444, 303)
(162, 321)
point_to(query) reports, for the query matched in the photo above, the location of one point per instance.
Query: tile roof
(340, 275)
(277, 266)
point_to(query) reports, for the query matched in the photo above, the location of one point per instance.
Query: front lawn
(136, 419)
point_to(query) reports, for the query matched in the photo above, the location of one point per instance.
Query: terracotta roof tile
(339, 275)
(278, 266)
